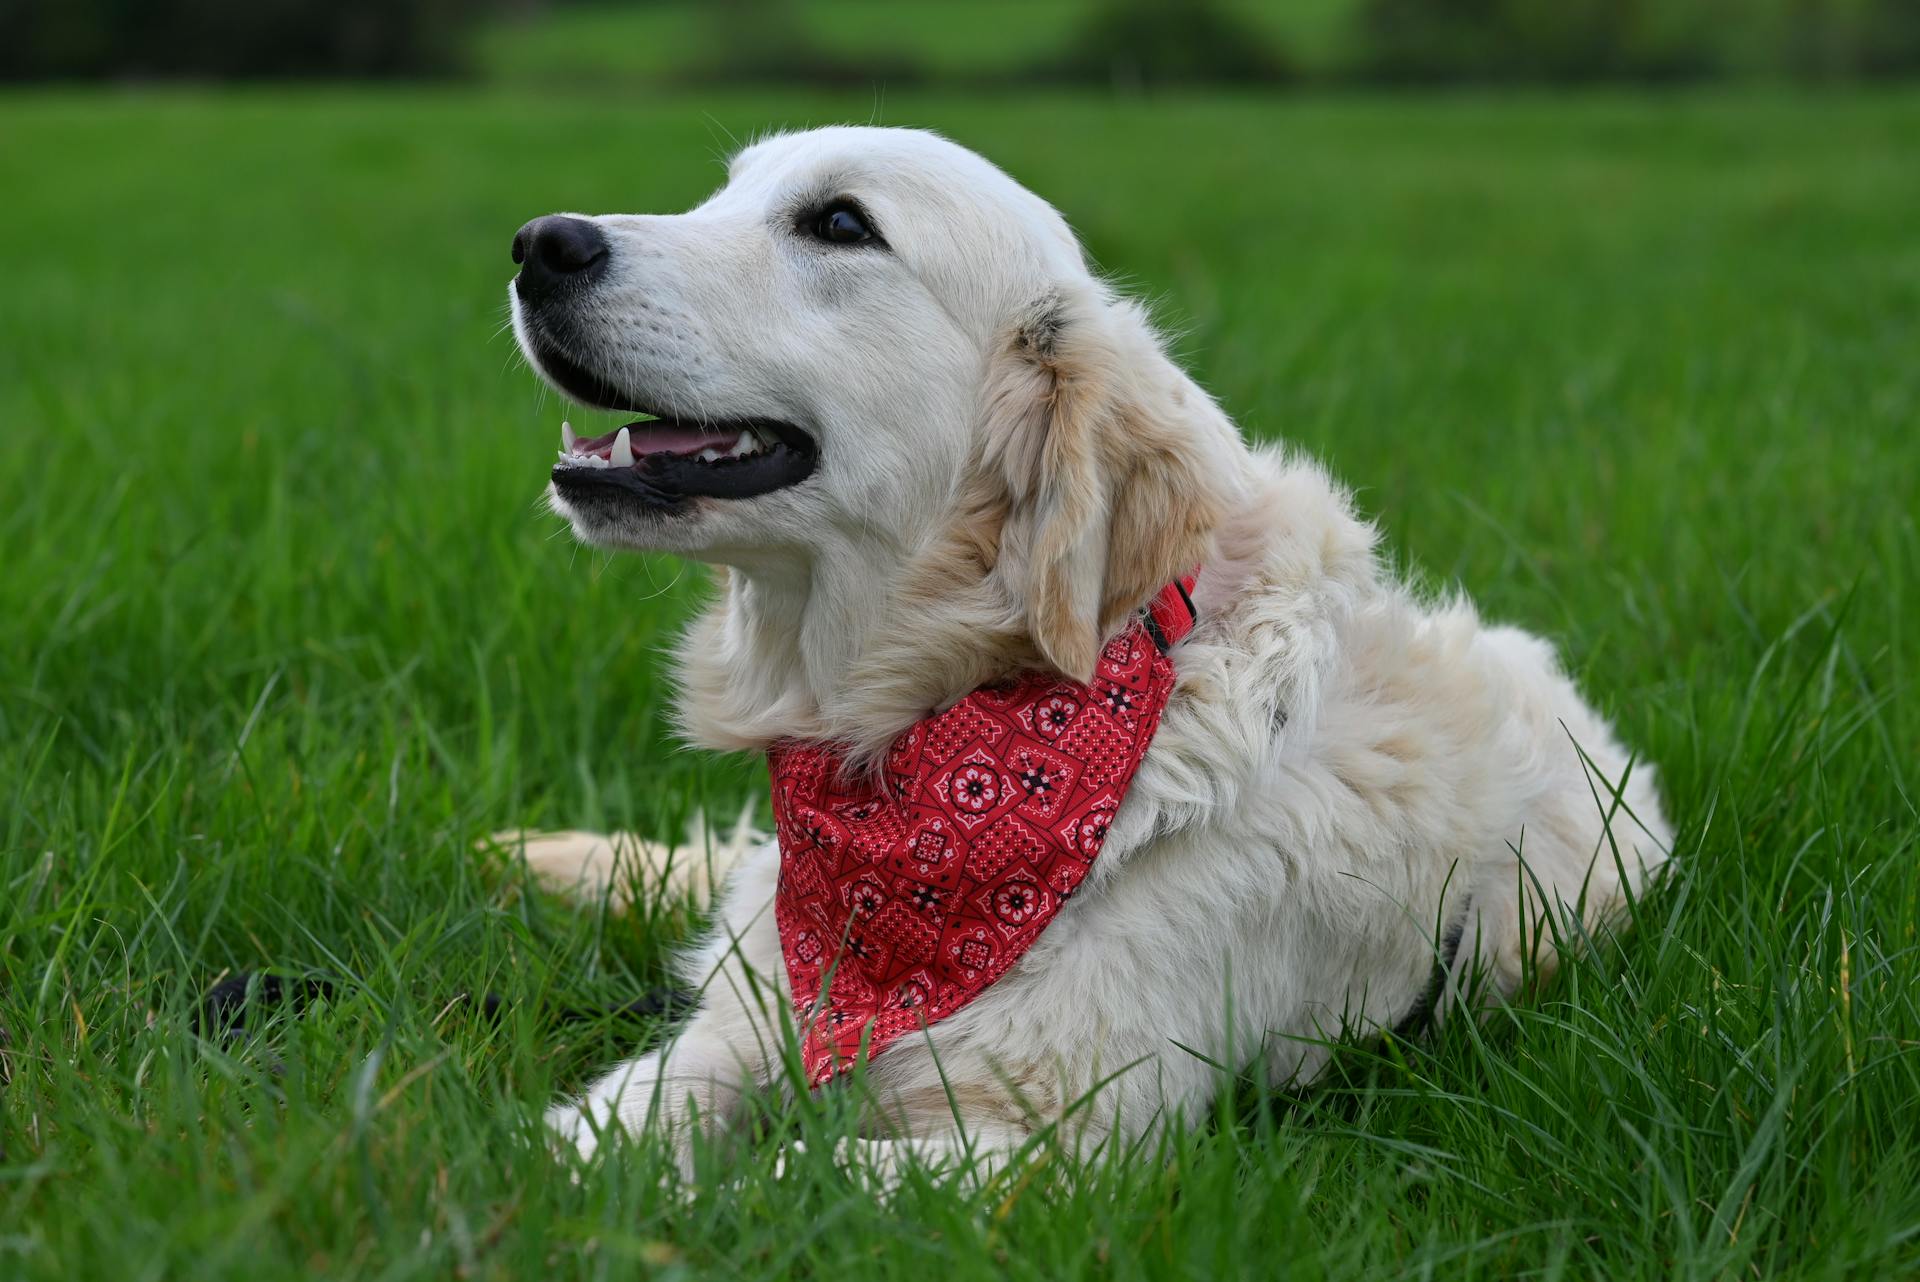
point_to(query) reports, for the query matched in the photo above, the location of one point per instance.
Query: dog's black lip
(669, 482)
(581, 383)
(605, 491)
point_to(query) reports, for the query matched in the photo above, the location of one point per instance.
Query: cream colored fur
(1011, 465)
(623, 867)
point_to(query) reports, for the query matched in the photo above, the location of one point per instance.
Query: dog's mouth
(660, 461)
(664, 462)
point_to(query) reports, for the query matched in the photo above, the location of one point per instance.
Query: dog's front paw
(573, 1131)
(588, 867)
(580, 1133)
(619, 1102)
(585, 867)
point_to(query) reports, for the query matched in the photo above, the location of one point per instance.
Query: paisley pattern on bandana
(905, 894)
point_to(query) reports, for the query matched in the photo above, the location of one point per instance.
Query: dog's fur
(1346, 778)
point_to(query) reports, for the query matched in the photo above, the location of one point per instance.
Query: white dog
(932, 451)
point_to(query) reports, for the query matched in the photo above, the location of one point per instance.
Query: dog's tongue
(678, 438)
(655, 437)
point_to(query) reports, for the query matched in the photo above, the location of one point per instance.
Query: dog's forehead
(908, 169)
(895, 162)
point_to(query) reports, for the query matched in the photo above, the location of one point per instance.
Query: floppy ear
(1114, 463)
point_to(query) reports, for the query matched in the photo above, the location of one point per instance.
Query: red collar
(904, 895)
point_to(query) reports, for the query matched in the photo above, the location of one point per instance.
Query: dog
(930, 452)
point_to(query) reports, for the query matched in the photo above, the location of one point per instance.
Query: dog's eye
(841, 225)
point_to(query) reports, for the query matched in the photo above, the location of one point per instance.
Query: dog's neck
(854, 643)
(850, 648)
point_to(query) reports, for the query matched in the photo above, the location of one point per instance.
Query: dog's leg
(696, 1082)
(970, 1161)
(725, 1049)
(622, 867)
(969, 1127)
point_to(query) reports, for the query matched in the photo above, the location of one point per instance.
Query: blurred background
(1119, 44)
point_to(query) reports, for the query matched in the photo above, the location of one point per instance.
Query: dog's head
(865, 337)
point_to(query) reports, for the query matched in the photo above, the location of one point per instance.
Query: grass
(282, 630)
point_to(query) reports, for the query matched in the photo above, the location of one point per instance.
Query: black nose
(554, 252)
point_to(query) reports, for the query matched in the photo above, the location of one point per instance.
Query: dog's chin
(714, 531)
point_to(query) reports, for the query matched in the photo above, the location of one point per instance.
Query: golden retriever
(930, 450)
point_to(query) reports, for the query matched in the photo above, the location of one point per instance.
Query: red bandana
(907, 894)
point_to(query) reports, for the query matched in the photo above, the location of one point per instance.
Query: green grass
(282, 630)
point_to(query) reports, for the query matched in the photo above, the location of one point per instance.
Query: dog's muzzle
(659, 462)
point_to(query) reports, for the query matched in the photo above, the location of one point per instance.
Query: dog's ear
(1113, 461)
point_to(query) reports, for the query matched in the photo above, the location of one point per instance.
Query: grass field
(283, 629)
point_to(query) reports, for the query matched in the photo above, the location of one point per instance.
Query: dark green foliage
(986, 44)
(79, 39)
(766, 41)
(1538, 41)
(1131, 43)
(1838, 39)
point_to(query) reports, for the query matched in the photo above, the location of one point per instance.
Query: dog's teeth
(622, 450)
(567, 438)
(747, 442)
(709, 455)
